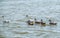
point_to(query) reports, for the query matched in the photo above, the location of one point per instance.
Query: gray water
(15, 11)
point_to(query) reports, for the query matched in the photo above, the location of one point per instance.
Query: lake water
(15, 11)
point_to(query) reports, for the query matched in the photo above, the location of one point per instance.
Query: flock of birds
(32, 22)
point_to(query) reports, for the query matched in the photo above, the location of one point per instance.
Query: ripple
(21, 32)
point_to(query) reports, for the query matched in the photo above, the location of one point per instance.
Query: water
(15, 11)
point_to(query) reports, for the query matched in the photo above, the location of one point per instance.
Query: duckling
(42, 23)
(37, 22)
(5, 21)
(52, 23)
(26, 15)
(30, 22)
(3, 16)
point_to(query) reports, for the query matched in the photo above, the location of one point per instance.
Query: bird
(37, 22)
(30, 22)
(6, 21)
(42, 23)
(52, 23)
(27, 16)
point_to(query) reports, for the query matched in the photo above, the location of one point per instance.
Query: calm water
(15, 11)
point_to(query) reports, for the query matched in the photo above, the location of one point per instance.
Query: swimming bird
(30, 22)
(52, 23)
(37, 21)
(26, 15)
(3, 16)
(6, 21)
(42, 23)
